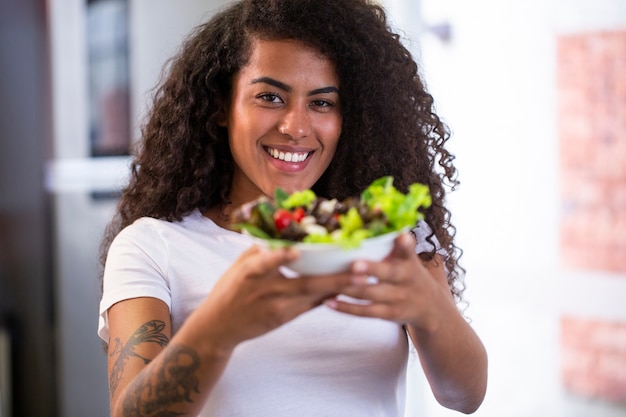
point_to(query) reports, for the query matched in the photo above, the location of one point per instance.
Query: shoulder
(147, 229)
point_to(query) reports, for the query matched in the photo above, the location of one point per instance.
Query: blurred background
(534, 92)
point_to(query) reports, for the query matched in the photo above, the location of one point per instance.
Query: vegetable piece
(400, 210)
(282, 218)
(351, 221)
(280, 196)
(298, 214)
(298, 199)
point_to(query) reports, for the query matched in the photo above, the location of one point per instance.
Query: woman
(199, 321)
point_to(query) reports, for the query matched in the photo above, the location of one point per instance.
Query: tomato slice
(298, 214)
(282, 218)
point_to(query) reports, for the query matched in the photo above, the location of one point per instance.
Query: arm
(147, 371)
(416, 294)
(453, 357)
(154, 373)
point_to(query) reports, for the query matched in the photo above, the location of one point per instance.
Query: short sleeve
(421, 232)
(136, 266)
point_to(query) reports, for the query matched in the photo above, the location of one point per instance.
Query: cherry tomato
(282, 218)
(298, 214)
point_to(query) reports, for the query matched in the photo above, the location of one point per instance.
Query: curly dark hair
(389, 123)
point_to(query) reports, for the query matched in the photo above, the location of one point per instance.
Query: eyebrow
(285, 87)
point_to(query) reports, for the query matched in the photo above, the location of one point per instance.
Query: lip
(288, 166)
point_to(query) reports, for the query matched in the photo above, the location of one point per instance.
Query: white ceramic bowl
(326, 258)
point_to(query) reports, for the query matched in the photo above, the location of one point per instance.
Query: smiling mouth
(287, 156)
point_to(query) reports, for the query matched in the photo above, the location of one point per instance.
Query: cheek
(331, 131)
(242, 134)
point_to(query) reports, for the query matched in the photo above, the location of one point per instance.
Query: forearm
(175, 381)
(178, 380)
(454, 361)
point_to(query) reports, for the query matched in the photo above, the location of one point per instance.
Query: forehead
(288, 58)
(260, 44)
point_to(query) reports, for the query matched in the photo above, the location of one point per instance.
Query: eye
(323, 105)
(270, 98)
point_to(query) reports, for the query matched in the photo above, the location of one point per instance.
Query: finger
(367, 273)
(378, 310)
(322, 285)
(378, 293)
(404, 246)
(258, 260)
(390, 269)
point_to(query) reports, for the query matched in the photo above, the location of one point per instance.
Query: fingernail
(331, 303)
(292, 254)
(364, 280)
(371, 280)
(359, 267)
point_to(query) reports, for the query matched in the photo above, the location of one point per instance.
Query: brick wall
(592, 135)
(594, 358)
(591, 77)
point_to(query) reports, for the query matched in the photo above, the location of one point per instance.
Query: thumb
(404, 246)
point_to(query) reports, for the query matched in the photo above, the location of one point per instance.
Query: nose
(296, 123)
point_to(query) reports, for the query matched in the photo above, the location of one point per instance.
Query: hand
(416, 294)
(253, 297)
(401, 288)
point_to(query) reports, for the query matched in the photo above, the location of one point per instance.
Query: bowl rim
(320, 247)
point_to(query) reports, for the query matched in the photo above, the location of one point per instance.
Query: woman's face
(283, 121)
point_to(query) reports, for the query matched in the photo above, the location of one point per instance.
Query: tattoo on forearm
(149, 332)
(162, 393)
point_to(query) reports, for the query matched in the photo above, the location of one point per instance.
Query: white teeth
(288, 156)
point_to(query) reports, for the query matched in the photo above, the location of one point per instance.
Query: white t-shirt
(321, 364)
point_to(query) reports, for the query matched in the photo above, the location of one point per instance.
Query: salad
(304, 217)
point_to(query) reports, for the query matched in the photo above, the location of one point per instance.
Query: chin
(293, 186)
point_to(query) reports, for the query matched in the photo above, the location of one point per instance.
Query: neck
(220, 215)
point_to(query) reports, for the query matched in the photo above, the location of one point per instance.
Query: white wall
(494, 84)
